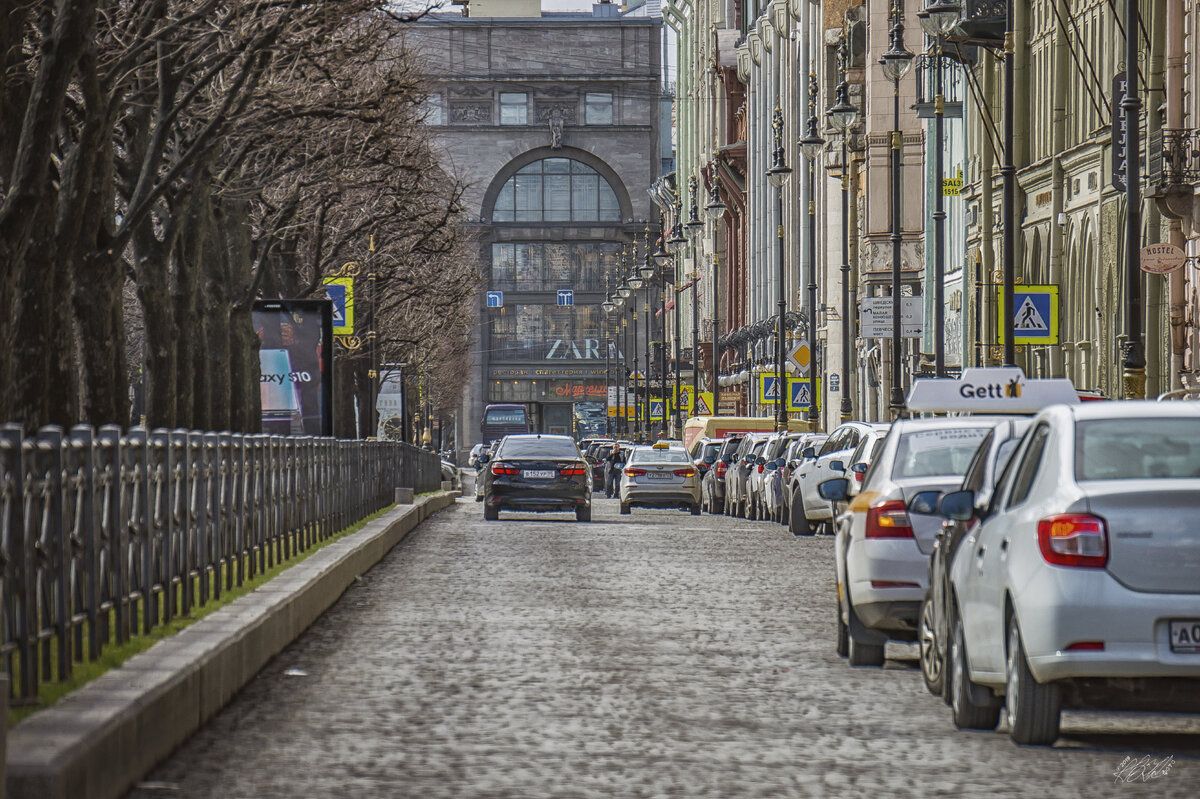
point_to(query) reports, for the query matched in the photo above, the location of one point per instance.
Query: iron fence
(105, 532)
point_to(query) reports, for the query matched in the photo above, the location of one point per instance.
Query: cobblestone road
(657, 655)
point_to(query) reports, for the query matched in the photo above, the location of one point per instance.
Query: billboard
(295, 359)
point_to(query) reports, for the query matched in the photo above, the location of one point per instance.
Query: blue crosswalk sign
(495, 299)
(566, 297)
(656, 410)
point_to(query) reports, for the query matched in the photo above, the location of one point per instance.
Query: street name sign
(875, 317)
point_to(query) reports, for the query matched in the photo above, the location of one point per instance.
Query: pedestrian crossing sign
(800, 394)
(1035, 315)
(656, 410)
(683, 400)
(704, 404)
(768, 388)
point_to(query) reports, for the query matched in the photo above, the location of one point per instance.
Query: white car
(881, 554)
(809, 509)
(1078, 584)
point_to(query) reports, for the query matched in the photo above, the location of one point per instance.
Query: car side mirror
(834, 490)
(808, 452)
(760, 461)
(837, 466)
(859, 468)
(958, 506)
(770, 466)
(781, 462)
(925, 503)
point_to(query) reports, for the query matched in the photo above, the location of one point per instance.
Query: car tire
(625, 509)
(583, 513)
(1033, 709)
(861, 653)
(933, 669)
(490, 512)
(695, 510)
(967, 714)
(843, 633)
(799, 524)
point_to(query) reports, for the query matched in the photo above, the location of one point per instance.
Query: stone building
(553, 120)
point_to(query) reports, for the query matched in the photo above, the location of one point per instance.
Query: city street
(651, 655)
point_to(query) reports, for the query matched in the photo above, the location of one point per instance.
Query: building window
(598, 108)
(534, 332)
(546, 266)
(556, 190)
(432, 112)
(514, 108)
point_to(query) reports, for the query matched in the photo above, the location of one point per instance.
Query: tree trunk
(98, 308)
(244, 373)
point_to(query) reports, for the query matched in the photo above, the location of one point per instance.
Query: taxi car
(660, 476)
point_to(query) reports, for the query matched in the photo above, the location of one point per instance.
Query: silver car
(881, 554)
(1079, 583)
(660, 476)
(809, 510)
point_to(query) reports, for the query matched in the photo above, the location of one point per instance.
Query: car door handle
(1004, 548)
(979, 558)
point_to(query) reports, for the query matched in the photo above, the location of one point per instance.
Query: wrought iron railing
(107, 532)
(1174, 158)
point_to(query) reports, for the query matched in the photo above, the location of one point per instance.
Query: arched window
(556, 190)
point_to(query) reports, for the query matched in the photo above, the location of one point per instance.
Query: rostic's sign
(990, 390)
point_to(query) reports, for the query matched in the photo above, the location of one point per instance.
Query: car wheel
(695, 510)
(932, 671)
(583, 513)
(967, 714)
(1033, 708)
(624, 509)
(490, 512)
(843, 633)
(862, 653)
(798, 523)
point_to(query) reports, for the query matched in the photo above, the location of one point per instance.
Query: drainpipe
(1058, 144)
(1174, 102)
(1155, 288)
(987, 209)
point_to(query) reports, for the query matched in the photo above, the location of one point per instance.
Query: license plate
(538, 474)
(1185, 636)
(659, 475)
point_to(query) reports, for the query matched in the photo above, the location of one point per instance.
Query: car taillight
(1086, 646)
(573, 470)
(685, 472)
(761, 468)
(858, 476)
(634, 472)
(505, 468)
(1074, 539)
(888, 520)
(721, 467)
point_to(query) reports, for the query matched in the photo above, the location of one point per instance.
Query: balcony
(982, 23)
(1173, 162)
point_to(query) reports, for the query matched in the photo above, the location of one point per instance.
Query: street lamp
(778, 175)
(895, 64)
(715, 209)
(811, 145)
(939, 19)
(844, 115)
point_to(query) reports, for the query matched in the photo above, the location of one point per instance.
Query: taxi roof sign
(1003, 389)
(660, 445)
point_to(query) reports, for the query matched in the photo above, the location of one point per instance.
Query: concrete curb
(99, 741)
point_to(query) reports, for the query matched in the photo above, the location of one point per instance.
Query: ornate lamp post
(844, 115)
(937, 20)
(812, 145)
(778, 174)
(896, 63)
(1133, 367)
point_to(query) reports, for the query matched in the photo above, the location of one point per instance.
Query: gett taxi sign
(1003, 389)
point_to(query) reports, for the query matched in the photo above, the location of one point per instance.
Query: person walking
(616, 463)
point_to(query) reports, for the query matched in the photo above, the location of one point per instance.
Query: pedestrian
(616, 464)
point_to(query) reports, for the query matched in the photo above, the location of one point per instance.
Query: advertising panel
(295, 359)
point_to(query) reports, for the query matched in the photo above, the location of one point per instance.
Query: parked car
(473, 458)
(807, 443)
(766, 481)
(594, 454)
(858, 463)
(933, 629)
(704, 455)
(712, 485)
(881, 555)
(813, 510)
(537, 473)
(737, 476)
(1076, 587)
(660, 476)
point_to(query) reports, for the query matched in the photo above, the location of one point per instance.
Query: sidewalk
(99, 741)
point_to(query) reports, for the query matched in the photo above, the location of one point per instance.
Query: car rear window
(710, 450)
(648, 455)
(934, 453)
(538, 448)
(1124, 449)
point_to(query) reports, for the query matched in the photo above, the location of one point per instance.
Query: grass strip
(113, 655)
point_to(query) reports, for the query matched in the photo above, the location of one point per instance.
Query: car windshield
(933, 453)
(710, 450)
(1123, 449)
(533, 447)
(648, 455)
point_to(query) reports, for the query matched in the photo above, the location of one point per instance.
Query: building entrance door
(557, 418)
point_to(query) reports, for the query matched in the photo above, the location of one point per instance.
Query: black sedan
(537, 473)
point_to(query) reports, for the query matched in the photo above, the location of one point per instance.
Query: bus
(503, 420)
